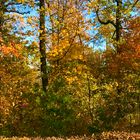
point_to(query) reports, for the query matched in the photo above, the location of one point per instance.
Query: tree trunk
(118, 23)
(42, 47)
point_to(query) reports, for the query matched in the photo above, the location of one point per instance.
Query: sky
(33, 12)
(97, 44)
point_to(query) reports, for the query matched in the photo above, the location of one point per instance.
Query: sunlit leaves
(20, 1)
(91, 86)
(11, 49)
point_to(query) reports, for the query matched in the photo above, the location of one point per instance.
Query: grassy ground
(103, 136)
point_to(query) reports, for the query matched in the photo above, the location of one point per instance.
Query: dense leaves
(54, 79)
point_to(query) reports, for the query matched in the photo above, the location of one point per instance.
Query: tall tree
(112, 17)
(42, 46)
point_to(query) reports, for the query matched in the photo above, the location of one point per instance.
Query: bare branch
(135, 3)
(12, 3)
(113, 34)
(15, 11)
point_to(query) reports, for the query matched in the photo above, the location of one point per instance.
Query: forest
(70, 68)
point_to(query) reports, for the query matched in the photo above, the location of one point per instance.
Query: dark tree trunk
(42, 47)
(118, 23)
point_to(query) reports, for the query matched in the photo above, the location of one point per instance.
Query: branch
(15, 11)
(104, 22)
(12, 3)
(113, 34)
(135, 3)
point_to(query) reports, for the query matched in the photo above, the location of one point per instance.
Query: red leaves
(129, 56)
(24, 105)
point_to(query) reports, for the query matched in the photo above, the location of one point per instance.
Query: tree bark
(42, 47)
(118, 23)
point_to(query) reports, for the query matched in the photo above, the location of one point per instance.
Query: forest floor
(103, 136)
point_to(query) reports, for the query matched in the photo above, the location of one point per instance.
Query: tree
(115, 95)
(42, 46)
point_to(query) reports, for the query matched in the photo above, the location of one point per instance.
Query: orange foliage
(11, 49)
(131, 48)
(129, 55)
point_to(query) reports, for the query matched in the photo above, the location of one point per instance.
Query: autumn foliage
(69, 69)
